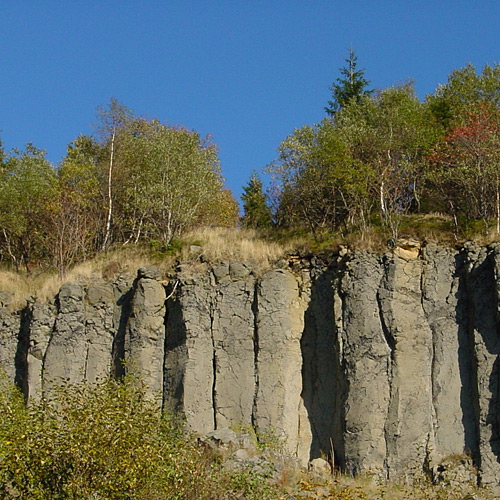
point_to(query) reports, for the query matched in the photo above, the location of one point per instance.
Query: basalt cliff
(386, 363)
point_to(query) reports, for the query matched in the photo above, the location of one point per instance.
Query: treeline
(135, 180)
(376, 157)
(380, 155)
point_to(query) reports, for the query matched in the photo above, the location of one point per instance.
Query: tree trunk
(498, 207)
(110, 197)
(382, 199)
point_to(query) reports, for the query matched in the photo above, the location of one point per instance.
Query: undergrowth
(108, 441)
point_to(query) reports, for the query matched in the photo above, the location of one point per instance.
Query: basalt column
(279, 327)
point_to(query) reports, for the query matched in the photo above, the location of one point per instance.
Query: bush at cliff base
(103, 441)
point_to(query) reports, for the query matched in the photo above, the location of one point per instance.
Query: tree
(466, 166)
(28, 184)
(2, 153)
(351, 86)
(390, 135)
(465, 88)
(112, 120)
(304, 193)
(77, 212)
(223, 211)
(318, 180)
(256, 211)
(173, 176)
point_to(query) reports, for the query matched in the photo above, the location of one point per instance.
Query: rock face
(386, 364)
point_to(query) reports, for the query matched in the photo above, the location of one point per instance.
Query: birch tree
(112, 121)
(173, 175)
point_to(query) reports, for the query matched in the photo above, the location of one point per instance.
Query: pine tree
(351, 87)
(256, 212)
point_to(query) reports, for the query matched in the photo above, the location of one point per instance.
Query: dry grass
(44, 284)
(235, 244)
(217, 244)
(220, 244)
(368, 487)
(18, 285)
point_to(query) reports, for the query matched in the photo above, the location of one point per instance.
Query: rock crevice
(385, 364)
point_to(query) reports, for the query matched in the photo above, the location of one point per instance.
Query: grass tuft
(235, 244)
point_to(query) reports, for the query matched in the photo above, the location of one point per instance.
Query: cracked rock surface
(386, 364)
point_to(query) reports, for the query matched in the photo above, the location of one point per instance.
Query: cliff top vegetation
(380, 165)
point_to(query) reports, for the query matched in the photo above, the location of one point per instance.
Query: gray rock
(446, 311)
(279, 327)
(239, 270)
(221, 272)
(195, 250)
(10, 326)
(232, 333)
(43, 318)
(224, 437)
(145, 343)
(483, 284)
(320, 467)
(189, 354)
(149, 272)
(99, 330)
(66, 354)
(366, 352)
(409, 425)
(5, 300)
(383, 364)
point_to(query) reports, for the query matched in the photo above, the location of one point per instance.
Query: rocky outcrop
(386, 364)
(145, 339)
(279, 326)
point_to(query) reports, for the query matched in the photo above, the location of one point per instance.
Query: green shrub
(108, 441)
(161, 249)
(103, 441)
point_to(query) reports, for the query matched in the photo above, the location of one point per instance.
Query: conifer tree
(352, 85)
(256, 212)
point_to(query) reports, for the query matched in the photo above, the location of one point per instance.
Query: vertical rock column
(189, 352)
(43, 317)
(280, 323)
(80, 345)
(483, 303)
(444, 303)
(66, 355)
(409, 427)
(233, 332)
(10, 325)
(323, 384)
(367, 365)
(99, 329)
(146, 332)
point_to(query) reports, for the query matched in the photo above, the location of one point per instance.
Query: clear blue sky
(246, 72)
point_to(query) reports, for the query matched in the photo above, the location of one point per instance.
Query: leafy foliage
(381, 156)
(106, 441)
(466, 166)
(171, 174)
(28, 185)
(136, 180)
(465, 88)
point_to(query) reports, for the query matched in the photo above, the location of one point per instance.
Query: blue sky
(245, 72)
